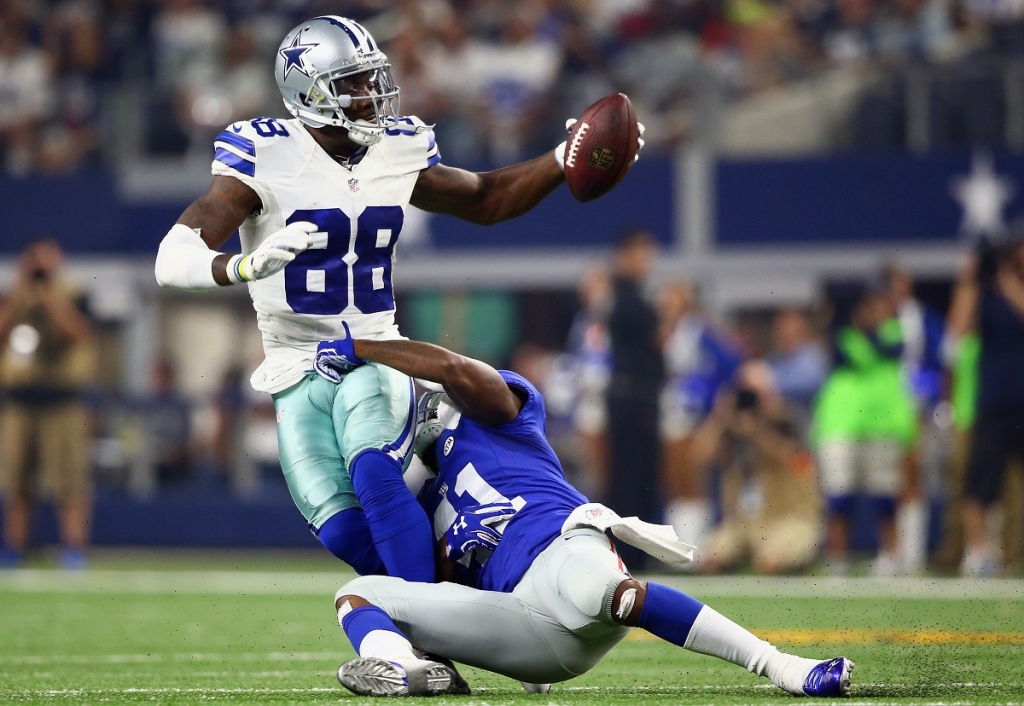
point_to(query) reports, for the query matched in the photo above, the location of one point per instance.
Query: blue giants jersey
(513, 463)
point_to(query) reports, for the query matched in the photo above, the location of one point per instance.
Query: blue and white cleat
(829, 678)
(371, 676)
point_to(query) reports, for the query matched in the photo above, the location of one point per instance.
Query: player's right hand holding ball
(603, 145)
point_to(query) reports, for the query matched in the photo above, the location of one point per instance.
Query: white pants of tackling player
(555, 625)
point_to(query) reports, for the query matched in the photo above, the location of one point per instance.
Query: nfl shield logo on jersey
(353, 185)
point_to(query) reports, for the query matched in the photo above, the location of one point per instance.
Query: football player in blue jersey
(319, 202)
(535, 590)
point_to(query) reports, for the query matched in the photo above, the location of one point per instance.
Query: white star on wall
(983, 194)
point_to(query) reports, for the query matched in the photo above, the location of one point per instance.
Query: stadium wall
(881, 198)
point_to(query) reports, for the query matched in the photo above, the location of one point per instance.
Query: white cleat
(536, 688)
(372, 676)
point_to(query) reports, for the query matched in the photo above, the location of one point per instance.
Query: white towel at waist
(660, 541)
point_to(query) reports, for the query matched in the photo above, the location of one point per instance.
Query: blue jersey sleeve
(531, 417)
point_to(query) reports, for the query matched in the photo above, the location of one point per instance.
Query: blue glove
(477, 528)
(336, 357)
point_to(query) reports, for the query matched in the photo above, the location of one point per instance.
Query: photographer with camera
(771, 505)
(45, 364)
(989, 298)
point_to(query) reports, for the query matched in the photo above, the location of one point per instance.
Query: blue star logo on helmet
(293, 56)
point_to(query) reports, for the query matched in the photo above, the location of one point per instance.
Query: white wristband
(238, 269)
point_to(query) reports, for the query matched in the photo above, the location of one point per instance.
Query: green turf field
(244, 635)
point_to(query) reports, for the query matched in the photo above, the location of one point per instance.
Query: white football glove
(560, 150)
(273, 253)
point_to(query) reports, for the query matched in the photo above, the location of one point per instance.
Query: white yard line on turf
(771, 687)
(597, 690)
(325, 583)
(223, 674)
(173, 690)
(569, 692)
(176, 657)
(166, 582)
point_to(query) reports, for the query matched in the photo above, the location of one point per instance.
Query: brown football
(601, 147)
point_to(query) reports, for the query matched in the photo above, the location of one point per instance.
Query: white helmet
(314, 70)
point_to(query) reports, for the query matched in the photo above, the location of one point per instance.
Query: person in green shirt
(864, 422)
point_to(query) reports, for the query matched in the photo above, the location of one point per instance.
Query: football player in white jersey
(319, 201)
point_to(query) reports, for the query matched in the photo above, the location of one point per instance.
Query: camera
(746, 400)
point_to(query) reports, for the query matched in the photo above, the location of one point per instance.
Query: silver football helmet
(330, 63)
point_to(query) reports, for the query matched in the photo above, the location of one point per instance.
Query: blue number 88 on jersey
(343, 269)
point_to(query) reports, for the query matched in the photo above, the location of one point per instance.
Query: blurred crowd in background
(777, 440)
(810, 435)
(837, 436)
(78, 78)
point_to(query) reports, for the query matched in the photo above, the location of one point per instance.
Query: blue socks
(668, 613)
(362, 621)
(347, 536)
(399, 526)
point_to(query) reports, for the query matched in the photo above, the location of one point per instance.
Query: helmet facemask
(334, 90)
(434, 413)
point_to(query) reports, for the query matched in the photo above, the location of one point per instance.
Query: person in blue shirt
(700, 362)
(532, 587)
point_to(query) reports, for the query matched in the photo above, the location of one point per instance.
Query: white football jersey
(347, 274)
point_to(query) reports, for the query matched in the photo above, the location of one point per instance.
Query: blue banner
(644, 199)
(83, 212)
(80, 211)
(863, 199)
(842, 200)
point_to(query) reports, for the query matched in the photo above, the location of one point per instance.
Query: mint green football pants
(322, 425)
